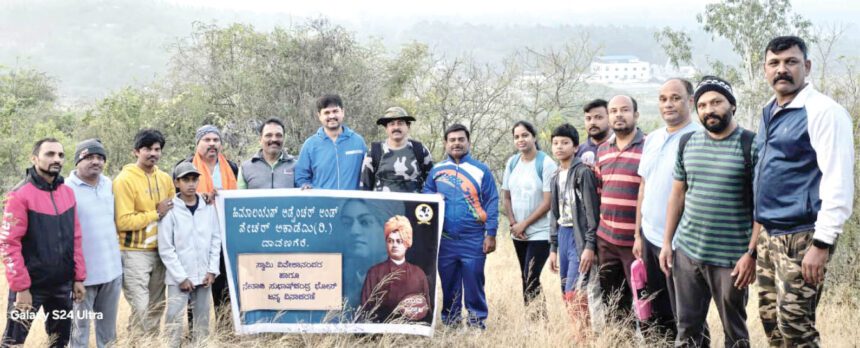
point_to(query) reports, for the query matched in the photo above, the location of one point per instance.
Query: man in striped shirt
(710, 209)
(617, 166)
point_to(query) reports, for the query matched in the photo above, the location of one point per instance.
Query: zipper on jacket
(58, 247)
(457, 176)
(760, 163)
(337, 162)
(56, 211)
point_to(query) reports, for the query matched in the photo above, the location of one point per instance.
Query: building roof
(618, 59)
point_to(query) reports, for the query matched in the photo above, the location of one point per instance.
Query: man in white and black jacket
(804, 191)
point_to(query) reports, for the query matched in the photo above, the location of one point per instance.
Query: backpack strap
(418, 151)
(375, 158)
(747, 138)
(539, 164)
(682, 144)
(539, 158)
(513, 163)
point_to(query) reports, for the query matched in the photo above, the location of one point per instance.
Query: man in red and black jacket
(40, 244)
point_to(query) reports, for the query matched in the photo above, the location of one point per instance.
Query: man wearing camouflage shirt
(398, 164)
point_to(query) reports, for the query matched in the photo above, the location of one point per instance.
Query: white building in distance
(620, 69)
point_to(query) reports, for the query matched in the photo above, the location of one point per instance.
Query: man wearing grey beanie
(95, 208)
(216, 173)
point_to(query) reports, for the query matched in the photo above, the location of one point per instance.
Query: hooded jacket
(586, 202)
(40, 238)
(189, 244)
(136, 195)
(331, 165)
(471, 197)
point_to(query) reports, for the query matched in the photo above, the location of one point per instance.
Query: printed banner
(324, 261)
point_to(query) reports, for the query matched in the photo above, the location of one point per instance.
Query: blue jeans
(568, 259)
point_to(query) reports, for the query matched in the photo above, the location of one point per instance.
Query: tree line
(235, 76)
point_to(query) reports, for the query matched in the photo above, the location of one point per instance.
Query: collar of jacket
(34, 178)
(799, 100)
(346, 133)
(285, 157)
(466, 158)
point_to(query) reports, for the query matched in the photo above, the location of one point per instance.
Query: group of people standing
(706, 206)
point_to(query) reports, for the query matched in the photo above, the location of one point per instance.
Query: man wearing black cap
(189, 244)
(710, 210)
(398, 164)
(95, 203)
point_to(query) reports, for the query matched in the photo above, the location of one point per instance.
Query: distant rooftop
(618, 59)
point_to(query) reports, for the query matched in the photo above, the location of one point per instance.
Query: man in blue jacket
(469, 229)
(804, 192)
(331, 158)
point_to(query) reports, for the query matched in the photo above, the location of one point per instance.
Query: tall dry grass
(510, 324)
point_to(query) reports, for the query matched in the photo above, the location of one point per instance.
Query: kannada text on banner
(289, 282)
(310, 261)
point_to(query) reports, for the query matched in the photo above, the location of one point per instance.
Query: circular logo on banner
(424, 213)
(413, 307)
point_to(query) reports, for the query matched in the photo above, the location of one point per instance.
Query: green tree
(27, 113)
(747, 25)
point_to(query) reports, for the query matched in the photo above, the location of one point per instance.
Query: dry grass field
(509, 324)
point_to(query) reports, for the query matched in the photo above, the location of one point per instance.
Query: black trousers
(56, 302)
(662, 290)
(532, 256)
(696, 283)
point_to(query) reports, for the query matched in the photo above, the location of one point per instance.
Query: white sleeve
(507, 174)
(167, 249)
(215, 246)
(830, 134)
(549, 168)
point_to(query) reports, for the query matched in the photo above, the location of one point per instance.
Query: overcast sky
(619, 12)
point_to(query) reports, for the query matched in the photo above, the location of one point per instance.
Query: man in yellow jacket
(143, 196)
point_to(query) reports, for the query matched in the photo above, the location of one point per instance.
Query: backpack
(417, 150)
(538, 163)
(747, 138)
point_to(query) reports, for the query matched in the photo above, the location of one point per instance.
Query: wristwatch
(753, 253)
(821, 244)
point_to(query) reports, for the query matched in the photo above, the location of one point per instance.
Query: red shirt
(617, 170)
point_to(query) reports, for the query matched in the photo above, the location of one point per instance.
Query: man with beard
(596, 121)
(392, 285)
(40, 244)
(617, 165)
(398, 164)
(656, 168)
(271, 167)
(216, 173)
(469, 229)
(94, 196)
(142, 196)
(331, 158)
(804, 193)
(710, 211)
